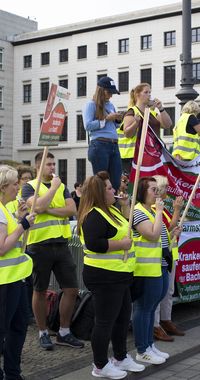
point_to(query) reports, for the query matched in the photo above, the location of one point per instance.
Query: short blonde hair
(8, 175)
(191, 107)
(162, 182)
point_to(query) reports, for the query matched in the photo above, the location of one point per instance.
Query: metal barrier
(76, 249)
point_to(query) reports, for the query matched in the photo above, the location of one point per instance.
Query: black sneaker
(69, 340)
(45, 342)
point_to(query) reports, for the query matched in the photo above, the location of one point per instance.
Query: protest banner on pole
(50, 132)
(137, 174)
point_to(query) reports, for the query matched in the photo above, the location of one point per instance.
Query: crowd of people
(142, 285)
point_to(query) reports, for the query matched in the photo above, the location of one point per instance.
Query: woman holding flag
(140, 97)
(153, 259)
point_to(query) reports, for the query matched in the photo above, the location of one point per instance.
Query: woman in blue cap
(101, 120)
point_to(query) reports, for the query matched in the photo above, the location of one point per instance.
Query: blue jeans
(104, 155)
(13, 327)
(155, 289)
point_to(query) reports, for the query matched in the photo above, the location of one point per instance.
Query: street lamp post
(187, 91)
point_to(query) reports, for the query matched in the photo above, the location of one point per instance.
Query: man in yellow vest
(48, 246)
(187, 133)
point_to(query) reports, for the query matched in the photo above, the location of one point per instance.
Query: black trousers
(112, 304)
(13, 327)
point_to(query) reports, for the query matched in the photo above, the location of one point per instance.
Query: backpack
(82, 321)
(53, 300)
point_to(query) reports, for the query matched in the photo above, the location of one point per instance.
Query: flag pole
(39, 179)
(186, 209)
(137, 174)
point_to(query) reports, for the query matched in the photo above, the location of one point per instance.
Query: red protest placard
(54, 117)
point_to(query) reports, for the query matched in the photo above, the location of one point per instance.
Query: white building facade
(10, 25)
(142, 46)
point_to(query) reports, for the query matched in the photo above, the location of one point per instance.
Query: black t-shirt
(192, 121)
(28, 191)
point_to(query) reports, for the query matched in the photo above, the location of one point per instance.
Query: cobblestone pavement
(45, 365)
(184, 370)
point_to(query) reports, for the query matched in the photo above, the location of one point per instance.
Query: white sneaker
(109, 371)
(150, 357)
(164, 355)
(128, 364)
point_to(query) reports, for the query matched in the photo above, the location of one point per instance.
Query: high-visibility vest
(14, 265)
(148, 253)
(48, 226)
(12, 206)
(186, 144)
(127, 144)
(175, 254)
(111, 260)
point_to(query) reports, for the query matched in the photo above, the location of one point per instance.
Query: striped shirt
(140, 216)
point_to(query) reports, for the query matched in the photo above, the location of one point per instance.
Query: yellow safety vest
(185, 144)
(14, 265)
(48, 226)
(127, 144)
(175, 253)
(111, 260)
(148, 253)
(12, 206)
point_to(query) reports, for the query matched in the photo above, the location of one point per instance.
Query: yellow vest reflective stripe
(127, 144)
(48, 226)
(148, 253)
(111, 260)
(14, 265)
(185, 144)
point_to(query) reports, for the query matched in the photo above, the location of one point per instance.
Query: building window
(124, 45)
(80, 170)
(26, 162)
(145, 76)
(81, 86)
(170, 38)
(196, 34)
(63, 55)
(27, 61)
(80, 130)
(171, 112)
(45, 58)
(64, 135)
(1, 58)
(1, 97)
(63, 82)
(1, 136)
(169, 76)
(82, 52)
(102, 48)
(123, 81)
(26, 131)
(146, 42)
(62, 170)
(196, 72)
(44, 90)
(27, 93)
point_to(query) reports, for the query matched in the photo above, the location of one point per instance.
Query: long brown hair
(99, 99)
(93, 195)
(135, 92)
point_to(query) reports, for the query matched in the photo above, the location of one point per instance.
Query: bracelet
(162, 110)
(25, 223)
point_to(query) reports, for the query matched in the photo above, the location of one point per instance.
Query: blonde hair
(191, 107)
(99, 99)
(162, 182)
(8, 175)
(135, 92)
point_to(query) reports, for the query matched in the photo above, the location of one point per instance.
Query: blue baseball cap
(108, 84)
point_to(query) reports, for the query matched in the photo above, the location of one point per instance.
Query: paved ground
(66, 363)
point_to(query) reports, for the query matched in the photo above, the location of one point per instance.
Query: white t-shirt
(3, 218)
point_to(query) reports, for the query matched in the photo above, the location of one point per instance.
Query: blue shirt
(92, 125)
